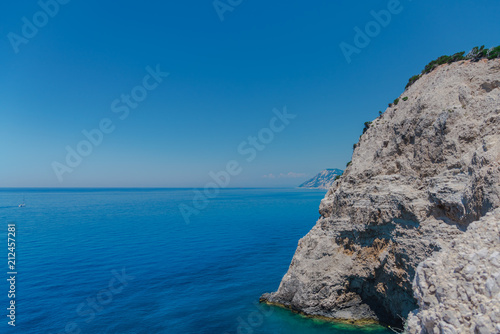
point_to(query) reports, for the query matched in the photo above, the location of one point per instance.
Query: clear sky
(71, 68)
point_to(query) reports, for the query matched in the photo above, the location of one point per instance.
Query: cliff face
(422, 172)
(458, 288)
(322, 180)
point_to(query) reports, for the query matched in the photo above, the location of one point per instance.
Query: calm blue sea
(125, 261)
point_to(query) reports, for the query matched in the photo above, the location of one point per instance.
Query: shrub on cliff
(444, 60)
(494, 53)
(367, 126)
(476, 54)
(412, 80)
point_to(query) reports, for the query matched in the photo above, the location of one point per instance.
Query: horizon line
(10, 188)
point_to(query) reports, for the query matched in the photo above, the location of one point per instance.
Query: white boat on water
(22, 205)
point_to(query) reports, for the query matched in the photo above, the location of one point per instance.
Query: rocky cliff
(322, 180)
(458, 288)
(420, 175)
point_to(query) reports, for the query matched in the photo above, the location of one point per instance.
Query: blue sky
(225, 79)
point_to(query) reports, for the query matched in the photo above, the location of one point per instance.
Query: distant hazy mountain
(322, 180)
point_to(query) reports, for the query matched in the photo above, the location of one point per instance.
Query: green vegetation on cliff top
(476, 54)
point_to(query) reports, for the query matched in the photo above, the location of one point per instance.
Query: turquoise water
(125, 261)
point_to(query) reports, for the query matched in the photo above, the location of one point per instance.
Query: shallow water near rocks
(74, 246)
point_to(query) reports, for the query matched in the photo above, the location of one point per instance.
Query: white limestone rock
(420, 175)
(450, 271)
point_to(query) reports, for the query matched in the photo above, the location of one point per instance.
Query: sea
(127, 261)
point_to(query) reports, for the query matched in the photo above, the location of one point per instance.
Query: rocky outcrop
(322, 180)
(422, 172)
(458, 288)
